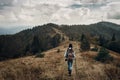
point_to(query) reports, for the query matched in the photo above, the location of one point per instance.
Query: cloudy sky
(37, 12)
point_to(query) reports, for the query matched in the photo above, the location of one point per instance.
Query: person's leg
(70, 67)
(71, 62)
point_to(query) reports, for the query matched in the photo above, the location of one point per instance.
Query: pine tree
(82, 37)
(55, 40)
(27, 48)
(113, 44)
(85, 45)
(102, 41)
(35, 46)
(113, 38)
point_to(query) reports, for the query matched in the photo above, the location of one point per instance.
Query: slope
(105, 29)
(50, 35)
(23, 41)
(63, 35)
(53, 66)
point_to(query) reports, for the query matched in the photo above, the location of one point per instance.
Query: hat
(70, 45)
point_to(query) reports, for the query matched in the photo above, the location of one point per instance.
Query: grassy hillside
(20, 44)
(53, 66)
(51, 35)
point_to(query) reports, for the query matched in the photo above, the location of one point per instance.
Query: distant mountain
(106, 29)
(5, 31)
(111, 25)
(44, 37)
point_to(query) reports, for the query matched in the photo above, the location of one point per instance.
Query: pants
(70, 62)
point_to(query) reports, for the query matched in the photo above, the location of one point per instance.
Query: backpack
(70, 56)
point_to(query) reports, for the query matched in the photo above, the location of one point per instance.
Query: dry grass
(53, 66)
(112, 72)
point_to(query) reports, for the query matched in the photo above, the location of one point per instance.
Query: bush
(41, 55)
(103, 55)
(58, 50)
(94, 49)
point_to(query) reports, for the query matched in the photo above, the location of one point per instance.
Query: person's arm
(65, 54)
(74, 55)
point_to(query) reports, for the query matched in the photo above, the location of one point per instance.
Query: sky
(15, 13)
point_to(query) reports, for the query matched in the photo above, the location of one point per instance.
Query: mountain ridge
(49, 38)
(6, 31)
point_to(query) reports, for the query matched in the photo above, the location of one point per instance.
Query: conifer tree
(55, 40)
(102, 41)
(35, 46)
(85, 45)
(82, 37)
(113, 38)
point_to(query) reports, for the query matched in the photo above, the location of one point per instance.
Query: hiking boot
(69, 72)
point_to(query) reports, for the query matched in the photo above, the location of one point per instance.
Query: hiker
(69, 57)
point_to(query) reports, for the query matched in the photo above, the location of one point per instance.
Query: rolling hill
(53, 67)
(52, 40)
(20, 44)
(106, 29)
(50, 35)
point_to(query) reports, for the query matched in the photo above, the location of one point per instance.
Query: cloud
(114, 10)
(94, 1)
(33, 12)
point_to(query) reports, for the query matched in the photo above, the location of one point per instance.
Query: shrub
(58, 50)
(41, 55)
(94, 49)
(103, 55)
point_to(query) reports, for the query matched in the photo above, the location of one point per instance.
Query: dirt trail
(60, 65)
(61, 33)
(74, 71)
(62, 70)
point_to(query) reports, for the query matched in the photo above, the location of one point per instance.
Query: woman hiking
(69, 57)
